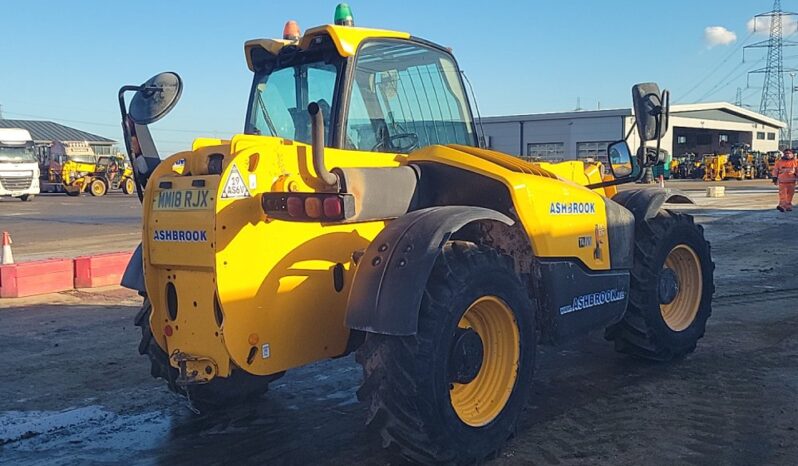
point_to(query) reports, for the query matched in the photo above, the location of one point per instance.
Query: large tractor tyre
(453, 392)
(219, 392)
(671, 291)
(128, 186)
(98, 187)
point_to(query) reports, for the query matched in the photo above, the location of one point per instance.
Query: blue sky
(67, 63)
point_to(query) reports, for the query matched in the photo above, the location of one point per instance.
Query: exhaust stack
(317, 143)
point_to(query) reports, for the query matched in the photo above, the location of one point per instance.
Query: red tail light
(309, 207)
(295, 207)
(333, 207)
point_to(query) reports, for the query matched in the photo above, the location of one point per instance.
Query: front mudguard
(392, 274)
(644, 203)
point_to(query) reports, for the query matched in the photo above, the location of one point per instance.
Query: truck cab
(19, 168)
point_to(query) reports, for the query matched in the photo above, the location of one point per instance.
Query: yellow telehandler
(356, 212)
(73, 168)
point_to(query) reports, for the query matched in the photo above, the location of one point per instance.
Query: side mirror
(651, 110)
(155, 98)
(622, 164)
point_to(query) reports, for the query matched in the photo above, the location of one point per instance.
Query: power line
(716, 68)
(772, 103)
(720, 84)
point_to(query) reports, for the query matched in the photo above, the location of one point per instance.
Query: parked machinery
(73, 168)
(765, 162)
(715, 167)
(687, 166)
(740, 164)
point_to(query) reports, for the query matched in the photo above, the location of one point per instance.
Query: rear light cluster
(309, 207)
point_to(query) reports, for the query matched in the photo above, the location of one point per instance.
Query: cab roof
(346, 40)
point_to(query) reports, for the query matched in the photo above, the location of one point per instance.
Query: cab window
(404, 96)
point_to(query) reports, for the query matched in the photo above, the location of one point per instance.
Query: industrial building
(46, 133)
(698, 128)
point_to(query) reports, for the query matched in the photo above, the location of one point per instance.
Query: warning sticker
(235, 186)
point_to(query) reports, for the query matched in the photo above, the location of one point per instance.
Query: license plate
(182, 199)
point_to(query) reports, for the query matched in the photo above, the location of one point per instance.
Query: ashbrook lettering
(572, 208)
(180, 236)
(594, 299)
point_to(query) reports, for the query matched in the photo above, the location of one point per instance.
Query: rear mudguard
(133, 277)
(644, 203)
(391, 276)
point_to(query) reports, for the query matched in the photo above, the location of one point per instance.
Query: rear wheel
(453, 392)
(671, 291)
(98, 187)
(219, 392)
(128, 186)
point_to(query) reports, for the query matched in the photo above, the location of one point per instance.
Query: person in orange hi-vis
(785, 174)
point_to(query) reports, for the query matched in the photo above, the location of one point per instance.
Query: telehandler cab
(357, 212)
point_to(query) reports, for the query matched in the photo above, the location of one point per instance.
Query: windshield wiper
(265, 113)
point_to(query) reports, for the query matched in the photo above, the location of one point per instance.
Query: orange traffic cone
(7, 257)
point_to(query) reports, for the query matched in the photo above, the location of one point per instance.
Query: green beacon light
(343, 15)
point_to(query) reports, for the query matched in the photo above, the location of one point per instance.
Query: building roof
(729, 108)
(618, 112)
(50, 131)
(624, 112)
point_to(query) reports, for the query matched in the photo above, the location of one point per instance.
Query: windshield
(280, 98)
(19, 154)
(406, 95)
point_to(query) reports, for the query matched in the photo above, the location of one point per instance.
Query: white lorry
(19, 168)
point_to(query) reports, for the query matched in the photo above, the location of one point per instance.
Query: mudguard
(133, 277)
(644, 203)
(392, 274)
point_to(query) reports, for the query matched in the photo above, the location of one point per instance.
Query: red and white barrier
(53, 275)
(37, 277)
(100, 270)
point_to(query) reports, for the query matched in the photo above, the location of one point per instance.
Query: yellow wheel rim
(681, 312)
(480, 401)
(97, 188)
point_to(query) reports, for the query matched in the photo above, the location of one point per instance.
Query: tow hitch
(193, 369)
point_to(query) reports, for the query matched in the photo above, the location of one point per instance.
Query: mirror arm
(126, 136)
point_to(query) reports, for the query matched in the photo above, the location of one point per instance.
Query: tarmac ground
(76, 391)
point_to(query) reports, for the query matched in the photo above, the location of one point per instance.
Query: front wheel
(27, 197)
(98, 187)
(670, 296)
(453, 391)
(128, 186)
